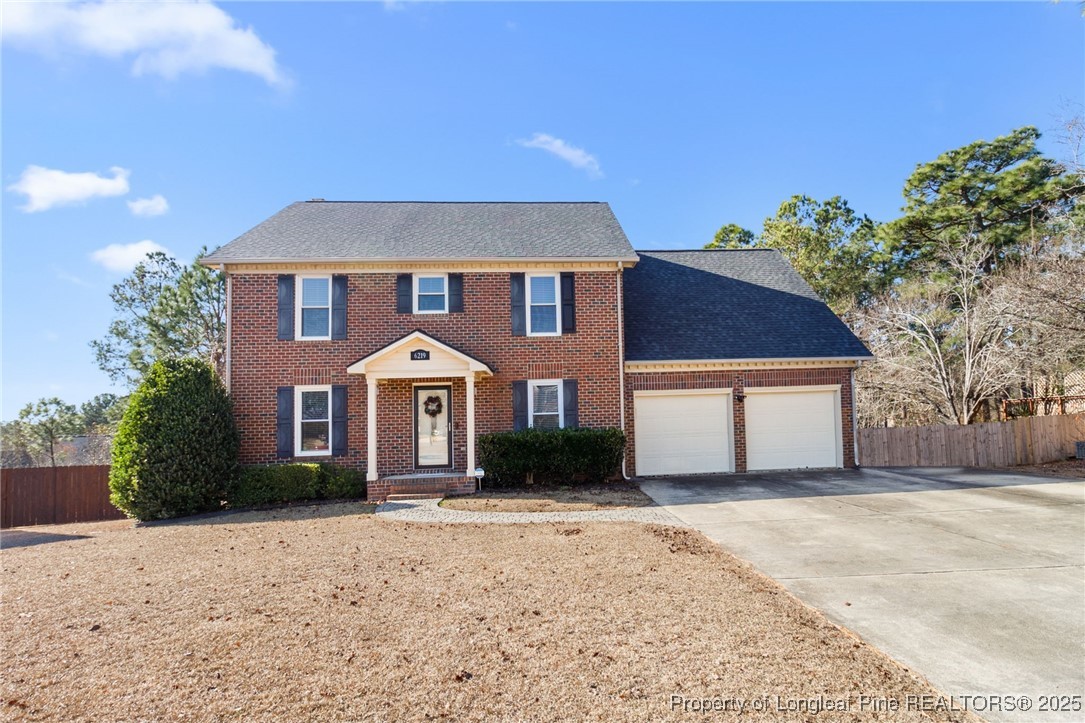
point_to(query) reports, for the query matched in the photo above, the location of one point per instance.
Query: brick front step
(420, 496)
(425, 485)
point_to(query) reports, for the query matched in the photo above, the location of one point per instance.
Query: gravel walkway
(431, 511)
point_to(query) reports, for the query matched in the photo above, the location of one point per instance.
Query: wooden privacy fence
(55, 495)
(1029, 440)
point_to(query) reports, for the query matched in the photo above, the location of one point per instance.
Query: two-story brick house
(388, 336)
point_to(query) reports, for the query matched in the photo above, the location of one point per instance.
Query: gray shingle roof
(358, 230)
(728, 304)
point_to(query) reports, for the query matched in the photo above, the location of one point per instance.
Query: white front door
(683, 433)
(433, 426)
(792, 429)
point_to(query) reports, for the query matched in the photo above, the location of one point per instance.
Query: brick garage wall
(738, 381)
(260, 363)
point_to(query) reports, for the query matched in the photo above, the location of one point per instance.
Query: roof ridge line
(686, 251)
(465, 203)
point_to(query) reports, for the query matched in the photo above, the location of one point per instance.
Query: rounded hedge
(175, 451)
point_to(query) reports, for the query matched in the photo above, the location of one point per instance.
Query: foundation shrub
(279, 483)
(557, 456)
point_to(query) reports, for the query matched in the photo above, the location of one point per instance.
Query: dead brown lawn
(320, 613)
(552, 499)
(1063, 468)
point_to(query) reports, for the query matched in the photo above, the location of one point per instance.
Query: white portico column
(371, 429)
(470, 380)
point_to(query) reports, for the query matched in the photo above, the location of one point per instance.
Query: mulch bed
(553, 498)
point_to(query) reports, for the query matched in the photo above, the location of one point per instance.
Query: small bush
(175, 450)
(278, 483)
(274, 484)
(343, 483)
(551, 456)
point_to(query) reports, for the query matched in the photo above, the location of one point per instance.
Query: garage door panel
(682, 434)
(789, 430)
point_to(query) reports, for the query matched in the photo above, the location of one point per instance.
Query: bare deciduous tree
(945, 345)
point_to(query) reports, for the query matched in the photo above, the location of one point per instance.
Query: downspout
(229, 320)
(621, 362)
(854, 415)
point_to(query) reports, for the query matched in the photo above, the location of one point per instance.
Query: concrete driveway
(973, 578)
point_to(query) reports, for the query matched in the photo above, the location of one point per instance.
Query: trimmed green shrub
(175, 451)
(343, 483)
(551, 456)
(278, 483)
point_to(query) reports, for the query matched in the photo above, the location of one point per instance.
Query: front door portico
(418, 356)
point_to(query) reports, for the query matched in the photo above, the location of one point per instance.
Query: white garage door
(683, 433)
(792, 429)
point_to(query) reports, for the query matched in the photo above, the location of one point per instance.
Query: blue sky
(193, 124)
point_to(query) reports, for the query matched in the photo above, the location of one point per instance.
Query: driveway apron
(973, 578)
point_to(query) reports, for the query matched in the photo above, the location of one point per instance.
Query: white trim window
(313, 421)
(431, 293)
(545, 404)
(313, 317)
(543, 305)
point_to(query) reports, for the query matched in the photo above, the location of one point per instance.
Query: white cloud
(45, 188)
(154, 206)
(122, 258)
(164, 38)
(575, 157)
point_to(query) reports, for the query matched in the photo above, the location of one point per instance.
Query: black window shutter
(286, 307)
(571, 403)
(339, 420)
(519, 405)
(284, 422)
(404, 292)
(568, 302)
(339, 307)
(519, 317)
(455, 293)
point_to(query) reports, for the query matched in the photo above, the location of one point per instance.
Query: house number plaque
(420, 355)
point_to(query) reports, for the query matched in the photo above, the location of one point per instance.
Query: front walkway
(431, 511)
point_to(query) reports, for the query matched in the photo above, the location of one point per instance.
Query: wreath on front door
(432, 406)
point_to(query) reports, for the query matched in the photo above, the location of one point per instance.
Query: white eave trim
(472, 364)
(395, 260)
(691, 365)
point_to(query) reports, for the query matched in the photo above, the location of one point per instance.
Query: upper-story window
(430, 294)
(314, 307)
(543, 317)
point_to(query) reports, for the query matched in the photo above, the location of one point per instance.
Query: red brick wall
(737, 381)
(260, 363)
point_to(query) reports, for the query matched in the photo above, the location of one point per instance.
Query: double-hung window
(543, 314)
(544, 400)
(313, 417)
(430, 294)
(314, 309)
